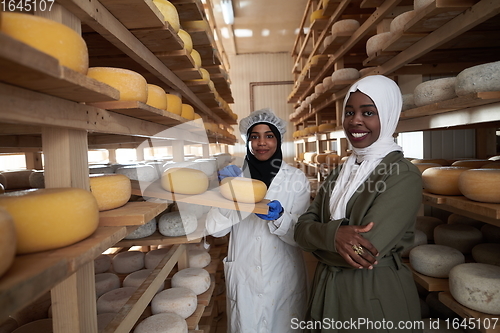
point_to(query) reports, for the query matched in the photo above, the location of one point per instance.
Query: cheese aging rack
(50, 108)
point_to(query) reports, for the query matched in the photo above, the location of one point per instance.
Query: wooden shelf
(189, 10)
(430, 283)
(135, 14)
(133, 213)
(159, 239)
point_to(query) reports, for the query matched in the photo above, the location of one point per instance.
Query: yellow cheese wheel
(51, 218)
(174, 104)
(493, 165)
(440, 161)
(442, 180)
(196, 57)
(110, 190)
(328, 127)
(316, 15)
(157, 97)
(473, 163)
(187, 111)
(169, 12)
(480, 185)
(132, 85)
(51, 37)
(184, 181)
(244, 190)
(321, 158)
(196, 25)
(8, 241)
(186, 38)
(423, 166)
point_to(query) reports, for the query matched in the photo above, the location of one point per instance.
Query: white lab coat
(264, 269)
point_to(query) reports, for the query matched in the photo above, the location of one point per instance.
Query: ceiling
(260, 26)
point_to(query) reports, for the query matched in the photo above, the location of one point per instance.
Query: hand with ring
(354, 248)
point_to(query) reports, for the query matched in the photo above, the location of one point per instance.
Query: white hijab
(386, 95)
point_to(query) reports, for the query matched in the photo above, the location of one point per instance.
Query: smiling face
(361, 120)
(263, 142)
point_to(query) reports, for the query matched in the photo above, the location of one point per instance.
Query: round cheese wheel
(157, 97)
(366, 71)
(478, 78)
(110, 190)
(408, 102)
(317, 15)
(419, 4)
(175, 224)
(443, 180)
(196, 58)
(105, 282)
(377, 42)
(344, 74)
(487, 253)
(473, 163)
(458, 236)
(184, 181)
(102, 263)
(8, 325)
(169, 12)
(144, 230)
(103, 319)
(439, 161)
(186, 39)
(135, 279)
(327, 82)
(174, 104)
(427, 224)
(7, 241)
(145, 173)
(165, 322)
(476, 286)
(196, 25)
(419, 239)
(41, 217)
(37, 179)
(196, 279)
(433, 91)
(38, 326)
(398, 23)
(187, 112)
(435, 260)
(424, 166)
(309, 156)
(321, 158)
(332, 159)
(459, 219)
(48, 36)
(491, 233)
(100, 168)
(154, 257)
(128, 261)
(328, 127)
(480, 185)
(132, 85)
(15, 180)
(342, 26)
(242, 189)
(114, 300)
(199, 258)
(319, 88)
(181, 301)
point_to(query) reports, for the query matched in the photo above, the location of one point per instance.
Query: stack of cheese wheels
(377, 42)
(110, 190)
(154, 257)
(480, 185)
(169, 12)
(196, 279)
(157, 97)
(435, 260)
(244, 190)
(443, 180)
(475, 285)
(135, 279)
(344, 27)
(142, 172)
(187, 111)
(459, 236)
(199, 258)
(487, 253)
(165, 322)
(433, 91)
(345, 74)
(174, 104)
(102, 263)
(41, 217)
(7, 241)
(174, 224)
(184, 181)
(132, 85)
(105, 282)
(16, 180)
(186, 39)
(181, 301)
(478, 78)
(50, 37)
(114, 300)
(398, 23)
(128, 262)
(419, 239)
(144, 230)
(471, 163)
(427, 224)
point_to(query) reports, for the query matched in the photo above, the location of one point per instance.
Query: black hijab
(263, 170)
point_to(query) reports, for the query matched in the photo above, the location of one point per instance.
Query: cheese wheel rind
(102, 263)
(157, 97)
(433, 91)
(184, 181)
(442, 180)
(174, 224)
(169, 12)
(478, 78)
(196, 279)
(459, 236)
(114, 300)
(487, 253)
(481, 185)
(132, 85)
(105, 282)
(199, 258)
(165, 322)
(128, 262)
(110, 190)
(182, 301)
(435, 260)
(245, 190)
(174, 104)
(144, 230)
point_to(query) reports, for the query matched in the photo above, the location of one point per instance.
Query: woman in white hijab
(361, 220)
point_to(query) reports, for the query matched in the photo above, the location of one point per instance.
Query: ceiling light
(227, 11)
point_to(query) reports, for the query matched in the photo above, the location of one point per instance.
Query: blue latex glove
(275, 211)
(229, 171)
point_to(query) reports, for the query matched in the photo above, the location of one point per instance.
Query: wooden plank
(485, 209)
(211, 198)
(433, 198)
(176, 59)
(163, 39)
(199, 87)
(194, 319)
(204, 298)
(135, 14)
(133, 213)
(338, 40)
(430, 283)
(189, 10)
(188, 74)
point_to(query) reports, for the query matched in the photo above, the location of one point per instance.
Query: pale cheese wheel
(440, 161)
(38, 326)
(408, 102)
(42, 217)
(427, 224)
(7, 241)
(419, 4)
(491, 233)
(309, 156)
(443, 180)
(128, 261)
(100, 168)
(424, 166)
(105, 282)
(48, 36)
(144, 230)
(487, 253)
(344, 74)
(319, 88)
(16, 180)
(478, 78)
(135, 279)
(435, 260)
(199, 258)
(327, 82)
(157, 97)
(174, 104)
(154, 257)
(434, 91)
(344, 26)
(481, 185)
(175, 224)
(459, 219)
(184, 181)
(366, 71)
(181, 301)
(132, 85)
(459, 236)
(37, 179)
(186, 39)
(102, 263)
(245, 190)
(114, 300)
(377, 42)
(471, 163)
(143, 172)
(110, 190)
(476, 286)
(169, 12)
(196, 58)
(165, 322)
(420, 238)
(187, 112)
(196, 279)
(398, 23)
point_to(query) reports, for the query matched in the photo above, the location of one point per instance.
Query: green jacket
(365, 300)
